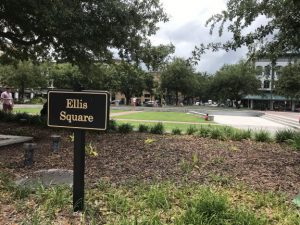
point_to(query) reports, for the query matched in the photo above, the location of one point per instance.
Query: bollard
(28, 153)
(55, 143)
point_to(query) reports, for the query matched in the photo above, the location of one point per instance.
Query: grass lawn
(164, 116)
(34, 111)
(117, 110)
(168, 126)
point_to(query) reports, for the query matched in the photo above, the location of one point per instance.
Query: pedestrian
(7, 100)
(206, 117)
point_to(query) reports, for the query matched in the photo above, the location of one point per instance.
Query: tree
(65, 75)
(178, 77)
(234, 81)
(76, 31)
(288, 83)
(131, 80)
(23, 75)
(155, 57)
(280, 34)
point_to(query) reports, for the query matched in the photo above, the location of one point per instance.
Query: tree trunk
(177, 98)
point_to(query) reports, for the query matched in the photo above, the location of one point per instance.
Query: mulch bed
(126, 158)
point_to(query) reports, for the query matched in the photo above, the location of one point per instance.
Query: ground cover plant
(155, 179)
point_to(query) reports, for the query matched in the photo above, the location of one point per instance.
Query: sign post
(80, 111)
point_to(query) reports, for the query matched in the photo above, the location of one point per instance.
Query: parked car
(151, 103)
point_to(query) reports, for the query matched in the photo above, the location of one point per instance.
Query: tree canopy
(280, 34)
(234, 82)
(288, 83)
(178, 76)
(75, 30)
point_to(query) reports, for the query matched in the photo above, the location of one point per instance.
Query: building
(267, 99)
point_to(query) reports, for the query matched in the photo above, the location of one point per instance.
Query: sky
(186, 29)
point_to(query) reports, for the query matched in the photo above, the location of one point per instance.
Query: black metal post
(79, 165)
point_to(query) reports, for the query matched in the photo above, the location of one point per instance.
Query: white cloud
(186, 29)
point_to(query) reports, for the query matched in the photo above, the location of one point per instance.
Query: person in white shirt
(7, 100)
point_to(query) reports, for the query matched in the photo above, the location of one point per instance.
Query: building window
(267, 70)
(258, 70)
(146, 95)
(266, 84)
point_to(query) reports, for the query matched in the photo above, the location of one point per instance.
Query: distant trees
(288, 83)
(234, 82)
(22, 75)
(178, 77)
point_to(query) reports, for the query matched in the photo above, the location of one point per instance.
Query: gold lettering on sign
(73, 117)
(76, 104)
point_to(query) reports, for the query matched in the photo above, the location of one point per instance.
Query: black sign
(79, 110)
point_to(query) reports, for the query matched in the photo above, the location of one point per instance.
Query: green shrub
(262, 136)
(143, 128)
(176, 131)
(217, 133)
(204, 131)
(125, 128)
(284, 135)
(295, 142)
(157, 129)
(112, 125)
(191, 130)
(239, 135)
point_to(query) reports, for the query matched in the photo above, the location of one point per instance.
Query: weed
(117, 202)
(149, 141)
(176, 131)
(90, 150)
(157, 197)
(157, 129)
(103, 185)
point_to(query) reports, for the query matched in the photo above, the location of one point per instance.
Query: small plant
(112, 126)
(191, 130)
(143, 128)
(71, 137)
(218, 133)
(149, 141)
(284, 135)
(157, 197)
(176, 131)
(125, 128)
(157, 129)
(117, 202)
(204, 131)
(295, 142)
(262, 136)
(91, 150)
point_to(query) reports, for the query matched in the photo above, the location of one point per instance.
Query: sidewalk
(253, 123)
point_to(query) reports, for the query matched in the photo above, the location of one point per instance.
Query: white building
(268, 74)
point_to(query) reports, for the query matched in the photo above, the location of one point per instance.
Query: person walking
(7, 100)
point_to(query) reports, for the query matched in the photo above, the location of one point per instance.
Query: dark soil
(126, 158)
